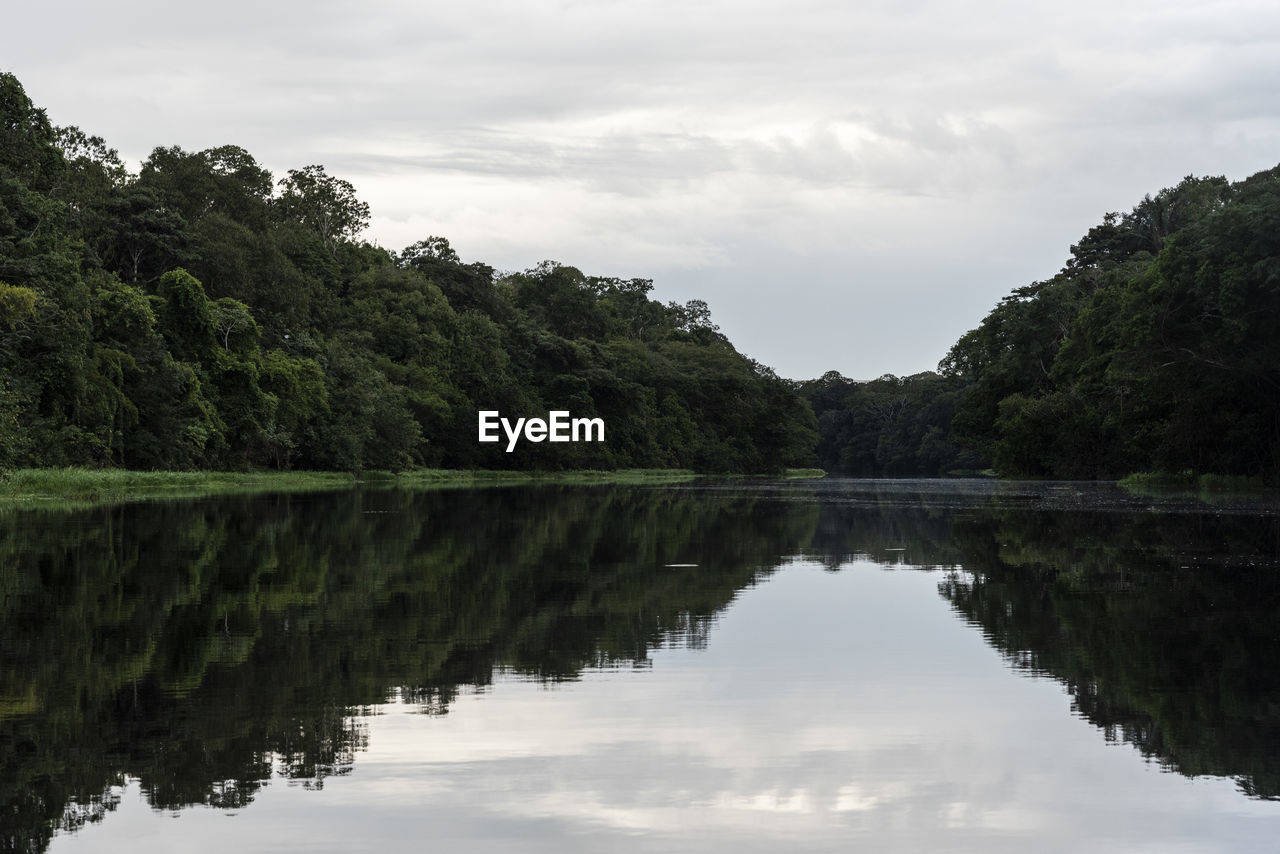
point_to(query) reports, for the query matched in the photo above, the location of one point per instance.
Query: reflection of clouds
(770, 801)
(769, 735)
(853, 797)
(829, 711)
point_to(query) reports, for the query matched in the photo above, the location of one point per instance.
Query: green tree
(325, 204)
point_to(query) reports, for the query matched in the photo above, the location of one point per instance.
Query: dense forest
(891, 426)
(202, 313)
(1153, 349)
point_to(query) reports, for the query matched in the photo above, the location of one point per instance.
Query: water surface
(736, 666)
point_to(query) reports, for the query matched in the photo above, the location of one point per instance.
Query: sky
(850, 186)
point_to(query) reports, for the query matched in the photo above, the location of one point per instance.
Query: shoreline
(83, 487)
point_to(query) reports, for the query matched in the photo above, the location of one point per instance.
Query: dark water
(743, 666)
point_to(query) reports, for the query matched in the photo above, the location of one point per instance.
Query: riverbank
(90, 486)
(82, 486)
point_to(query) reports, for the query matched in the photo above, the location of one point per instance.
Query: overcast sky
(849, 185)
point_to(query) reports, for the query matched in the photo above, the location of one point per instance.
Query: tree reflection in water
(203, 647)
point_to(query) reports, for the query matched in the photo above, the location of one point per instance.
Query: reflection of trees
(1162, 627)
(194, 646)
(916, 536)
(201, 647)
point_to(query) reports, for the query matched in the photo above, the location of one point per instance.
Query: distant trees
(890, 426)
(323, 203)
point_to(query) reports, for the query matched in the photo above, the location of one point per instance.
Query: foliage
(1153, 348)
(202, 314)
(889, 427)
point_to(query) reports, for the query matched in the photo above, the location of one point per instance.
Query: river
(737, 665)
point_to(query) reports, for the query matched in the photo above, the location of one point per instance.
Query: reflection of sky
(845, 711)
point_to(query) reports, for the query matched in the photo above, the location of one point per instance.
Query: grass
(72, 487)
(93, 486)
(67, 488)
(803, 473)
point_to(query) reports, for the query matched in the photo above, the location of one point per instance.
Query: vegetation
(73, 487)
(26, 486)
(203, 315)
(428, 477)
(889, 427)
(1156, 483)
(1153, 349)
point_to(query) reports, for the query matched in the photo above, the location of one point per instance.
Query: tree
(94, 170)
(232, 317)
(28, 143)
(186, 316)
(467, 286)
(224, 180)
(16, 304)
(136, 235)
(323, 203)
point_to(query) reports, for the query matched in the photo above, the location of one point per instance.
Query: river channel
(714, 666)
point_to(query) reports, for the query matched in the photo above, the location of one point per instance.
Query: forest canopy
(205, 313)
(1154, 348)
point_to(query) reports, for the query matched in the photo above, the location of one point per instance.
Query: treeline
(203, 314)
(1153, 349)
(890, 426)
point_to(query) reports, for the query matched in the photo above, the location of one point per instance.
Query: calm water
(748, 666)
